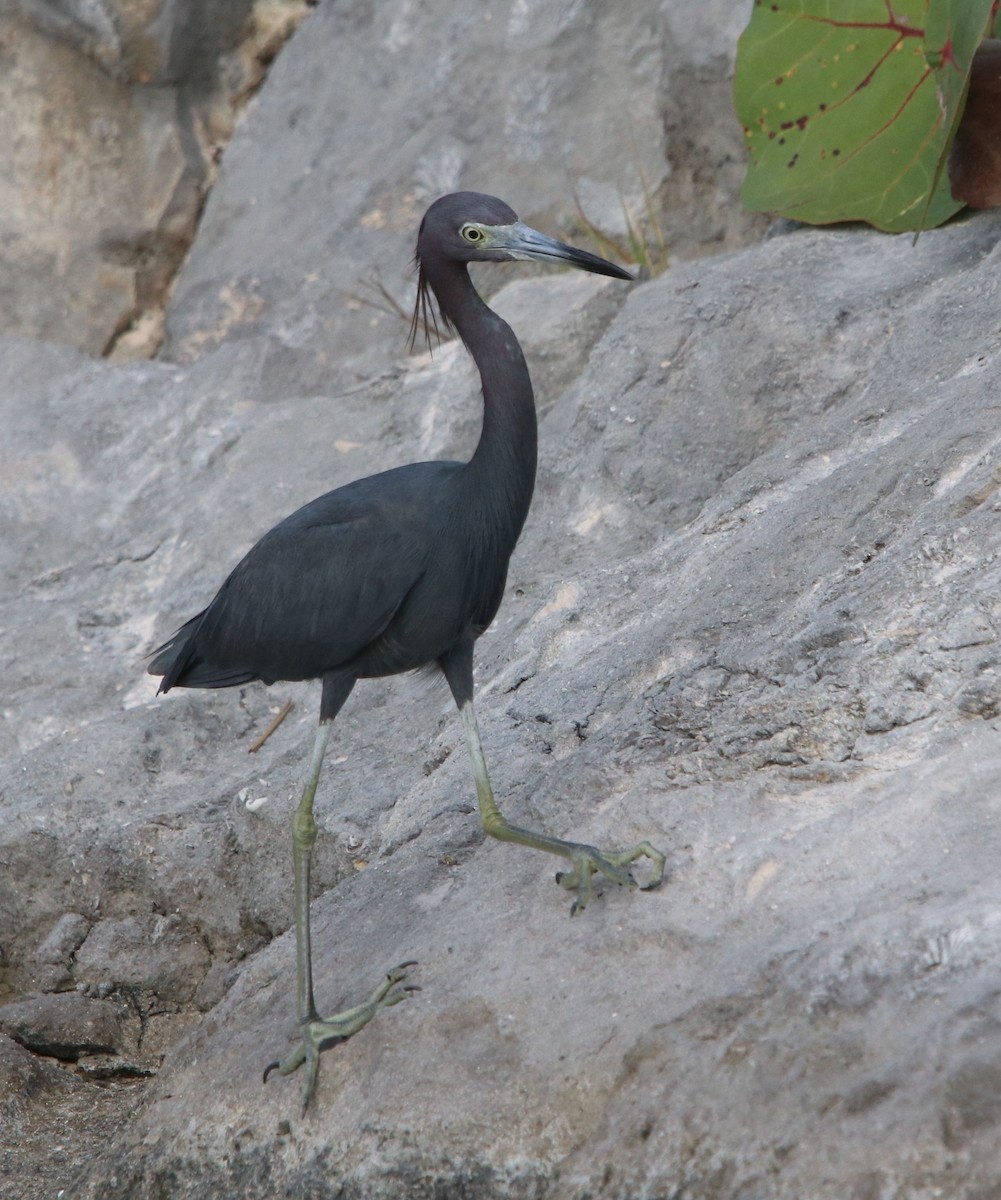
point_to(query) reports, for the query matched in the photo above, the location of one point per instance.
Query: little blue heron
(396, 572)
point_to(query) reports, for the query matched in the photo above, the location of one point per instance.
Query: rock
(753, 617)
(106, 178)
(115, 112)
(54, 957)
(64, 940)
(109, 236)
(65, 1026)
(158, 955)
(532, 126)
(51, 1120)
(754, 532)
(144, 41)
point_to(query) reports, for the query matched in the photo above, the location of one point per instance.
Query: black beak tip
(601, 266)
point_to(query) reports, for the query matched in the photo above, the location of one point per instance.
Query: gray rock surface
(143, 41)
(754, 617)
(584, 112)
(114, 113)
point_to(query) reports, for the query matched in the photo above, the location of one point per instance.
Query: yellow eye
(471, 233)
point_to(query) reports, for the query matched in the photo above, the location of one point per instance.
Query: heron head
(470, 227)
(473, 227)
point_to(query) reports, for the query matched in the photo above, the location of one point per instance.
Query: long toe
(659, 860)
(322, 1034)
(589, 861)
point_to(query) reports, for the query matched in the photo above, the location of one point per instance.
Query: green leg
(585, 860)
(321, 1033)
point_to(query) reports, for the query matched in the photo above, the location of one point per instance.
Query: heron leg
(585, 860)
(320, 1033)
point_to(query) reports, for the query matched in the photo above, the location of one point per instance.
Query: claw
(588, 861)
(322, 1033)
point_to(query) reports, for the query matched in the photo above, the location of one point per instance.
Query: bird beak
(521, 241)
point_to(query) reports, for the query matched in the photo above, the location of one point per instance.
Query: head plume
(426, 308)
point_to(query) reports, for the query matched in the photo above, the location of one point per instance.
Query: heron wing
(314, 591)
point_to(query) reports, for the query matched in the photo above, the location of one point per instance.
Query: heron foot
(587, 861)
(321, 1033)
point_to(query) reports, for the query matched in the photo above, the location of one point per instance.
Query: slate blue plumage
(401, 570)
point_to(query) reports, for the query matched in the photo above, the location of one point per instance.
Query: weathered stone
(53, 967)
(158, 954)
(63, 940)
(737, 559)
(51, 1120)
(65, 1025)
(22, 1077)
(161, 42)
(106, 173)
(115, 111)
(753, 617)
(417, 114)
(84, 249)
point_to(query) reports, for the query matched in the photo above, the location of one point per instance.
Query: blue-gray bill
(523, 242)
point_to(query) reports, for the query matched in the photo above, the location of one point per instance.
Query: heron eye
(471, 233)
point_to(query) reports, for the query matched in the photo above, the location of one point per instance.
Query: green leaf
(849, 106)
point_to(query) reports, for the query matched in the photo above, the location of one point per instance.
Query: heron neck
(507, 449)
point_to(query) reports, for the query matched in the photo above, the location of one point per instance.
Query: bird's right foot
(321, 1033)
(589, 861)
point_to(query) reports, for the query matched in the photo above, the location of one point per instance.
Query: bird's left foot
(587, 861)
(322, 1033)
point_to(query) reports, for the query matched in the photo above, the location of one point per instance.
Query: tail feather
(180, 665)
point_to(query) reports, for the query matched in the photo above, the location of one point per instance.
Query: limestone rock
(755, 595)
(114, 113)
(754, 617)
(65, 1025)
(585, 113)
(84, 249)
